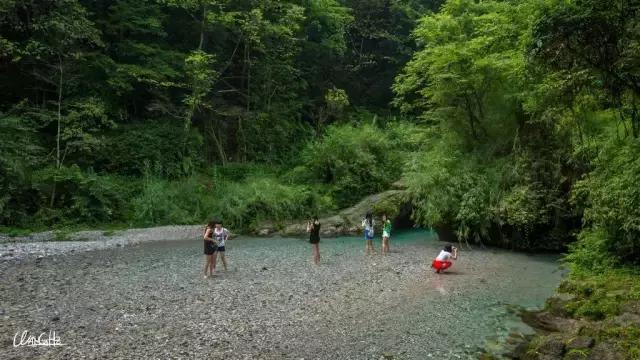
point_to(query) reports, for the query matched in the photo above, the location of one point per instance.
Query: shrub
(242, 205)
(452, 191)
(610, 197)
(352, 161)
(80, 197)
(20, 151)
(592, 251)
(164, 146)
(240, 171)
(245, 205)
(480, 196)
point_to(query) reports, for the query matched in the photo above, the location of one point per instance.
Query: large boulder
(348, 221)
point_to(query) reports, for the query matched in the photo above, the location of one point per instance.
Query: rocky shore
(50, 243)
(345, 222)
(591, 317)
(150, 301)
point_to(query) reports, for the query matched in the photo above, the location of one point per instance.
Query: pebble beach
(149, 300)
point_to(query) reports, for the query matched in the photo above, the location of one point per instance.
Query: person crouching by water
(443, 261)
(368, 224)
(210, 248)
(313, 228)
(386, 233)
(220, 235)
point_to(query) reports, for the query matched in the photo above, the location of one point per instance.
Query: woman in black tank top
(313, 228)
(210, 248)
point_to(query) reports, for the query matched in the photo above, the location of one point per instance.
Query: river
(151, 301)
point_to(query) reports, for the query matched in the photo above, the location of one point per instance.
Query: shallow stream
(151, 301)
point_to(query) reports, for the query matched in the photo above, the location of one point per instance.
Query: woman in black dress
(210, 248)
(313, 228)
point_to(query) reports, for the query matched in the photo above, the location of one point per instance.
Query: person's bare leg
(212, 267)
(207, 261)
(316, 254)
(224, 260)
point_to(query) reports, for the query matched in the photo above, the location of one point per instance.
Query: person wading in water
(386, 233)
(368, 224)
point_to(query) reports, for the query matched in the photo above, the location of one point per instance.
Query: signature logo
(44, 339)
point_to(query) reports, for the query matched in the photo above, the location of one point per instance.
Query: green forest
(513, 123)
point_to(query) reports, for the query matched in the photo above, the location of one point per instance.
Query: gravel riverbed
(150, 301)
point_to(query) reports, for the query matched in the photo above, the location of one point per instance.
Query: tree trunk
(202, 25)
(218, 143)
(242, 146)
(58, 162)
(471, 117)
(635, 120)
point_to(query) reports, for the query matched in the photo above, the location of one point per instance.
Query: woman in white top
(221, 235)
(443, 261)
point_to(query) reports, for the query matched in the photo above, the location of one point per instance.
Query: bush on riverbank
(241, 205)
(348, 163)
(610, 196)
(355, 161)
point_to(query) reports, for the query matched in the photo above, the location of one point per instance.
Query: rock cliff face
(348, 221)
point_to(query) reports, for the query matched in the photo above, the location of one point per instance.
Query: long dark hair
(448, 248)
(369, 218)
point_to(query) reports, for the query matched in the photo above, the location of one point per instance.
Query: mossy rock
(576, 354)
(632, 307)
(552, 346)
(606, 351)
(580, 343)
(545, 347)
(557, 305)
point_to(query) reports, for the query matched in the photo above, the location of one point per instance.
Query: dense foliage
(98, 95)
(357, 161)
(532, 111)
(512, 122)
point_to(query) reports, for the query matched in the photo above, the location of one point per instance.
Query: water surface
(150, 301)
